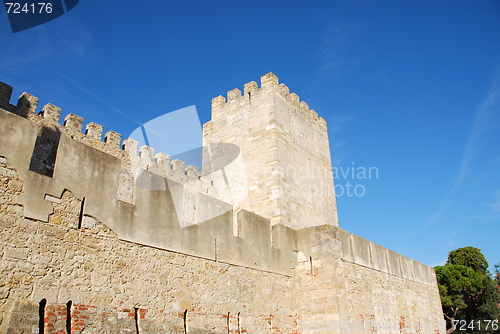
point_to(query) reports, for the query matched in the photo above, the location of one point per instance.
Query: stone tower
(284, 170)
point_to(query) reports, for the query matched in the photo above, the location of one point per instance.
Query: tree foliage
(466, 289)
(470, 257)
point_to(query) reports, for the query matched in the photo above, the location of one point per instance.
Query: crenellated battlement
(159, 163)
(268, 84)
(72, 126)
(50, 116)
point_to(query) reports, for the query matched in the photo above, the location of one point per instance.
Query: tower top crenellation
(268, 83)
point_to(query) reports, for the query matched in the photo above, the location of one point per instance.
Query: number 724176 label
(34, 7)
(463, 325)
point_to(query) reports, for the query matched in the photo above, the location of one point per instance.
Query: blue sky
(411, 88)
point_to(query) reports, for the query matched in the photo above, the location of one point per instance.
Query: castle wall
(351, 285)
(376, 301)
(110, 239)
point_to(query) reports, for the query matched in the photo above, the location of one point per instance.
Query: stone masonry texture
(101, 236)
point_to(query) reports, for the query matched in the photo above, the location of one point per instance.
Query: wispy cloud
(338, 51)
(336, 123)
(486, 120)
(381, 74)
(337, 155)
(474, 195)
(63, 37)
(495, 206)
(338, 48)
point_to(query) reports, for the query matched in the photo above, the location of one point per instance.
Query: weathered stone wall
(385, 290)
(376, 301)
(342, 294)
(114, 285)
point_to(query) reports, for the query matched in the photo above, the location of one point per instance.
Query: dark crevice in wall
(185, 322)
(239, 327)
(136, 319)
(311, 266)
(43, 159)
(41, 316)
(68, 316)
(80, 218)
(228, 322)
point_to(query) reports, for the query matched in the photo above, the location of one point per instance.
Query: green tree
(490, 301)
(467, 291)
(470, 257)
(458, 286)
